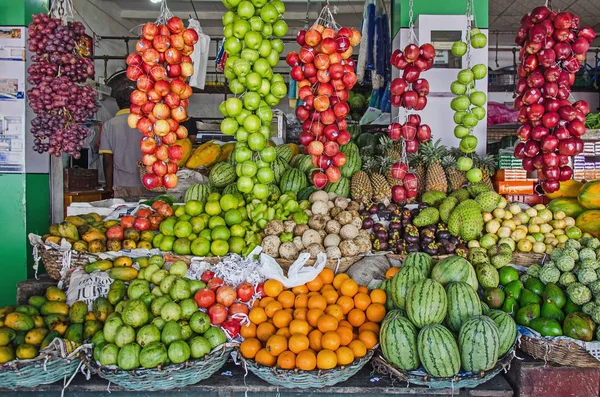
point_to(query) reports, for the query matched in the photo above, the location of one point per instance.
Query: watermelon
(285, 152)
(426, 303)
(305, 164)
(455, 268)
(507, 330)
(278, 166)
(341, 187)
(389, 302)
(274, 191)
(305, 193)
(366, 139)
(296, 159)
(421, 260)
(463, 303)
(292, 180)
(485, 309)
(398, 340)
(231, 189)
(199, 192)
(438, 351)
(479, 343)
(222, 174)
(353, 160)
(400, 284)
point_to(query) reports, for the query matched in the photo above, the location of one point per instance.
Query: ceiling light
(155, 1)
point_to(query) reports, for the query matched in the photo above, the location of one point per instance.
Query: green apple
(253, 40)
(458, 88)
(236, 87)
(459, 48)
(278, 45)
(252, 124)
(460, 103)
(279, 90)
(250, 55)
(265, 114)
(479, 112)
(478, 40)
(280, 28)
(265, 48)
(269, 13)
(242, 154)
(464, 163)
(256, 141)
(233, 106)
(229, 126)
(256, 24)
(251, 100)
(460, 131)
(272, 100)
(479, 71)
(228, 17)
(458, 116)
(268, 154)
(228, 31)
(478, 98)
(474, 175)
(470, 120)
(232, 45)
(254, 81)
(241, 67)
(245, 9)
(240, 119)
(273, 58)
(240, 28)
(468, 144)
(466, 76)
(241, 135)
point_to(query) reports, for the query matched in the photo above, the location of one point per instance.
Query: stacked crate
(511, 178)
(586, 166)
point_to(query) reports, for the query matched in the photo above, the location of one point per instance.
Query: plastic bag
(298, 274)
(87, 287)
(500, 114)
(199, 56)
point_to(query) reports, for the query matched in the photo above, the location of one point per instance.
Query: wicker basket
(169, 377)
(402, 257)
(142, 170)
(54, 258)
(296, 379)
(561, 350)
(462, 380)
(527, 259)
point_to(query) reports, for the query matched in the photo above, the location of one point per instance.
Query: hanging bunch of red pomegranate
(552, 49)
(161, 66)
(325, 74)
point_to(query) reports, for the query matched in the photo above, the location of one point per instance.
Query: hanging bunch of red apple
(552, 49)
(160, 66)
(325, 74)
(410, 91)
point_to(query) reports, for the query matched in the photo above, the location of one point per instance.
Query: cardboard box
(511, 175)
(529, 199)
(514, 187)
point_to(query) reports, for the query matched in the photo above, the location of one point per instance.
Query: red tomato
(226, 295)
(207, 276)
(214, 283)
(204, 298)
(231, 327)
(245, 291)
(217, 314)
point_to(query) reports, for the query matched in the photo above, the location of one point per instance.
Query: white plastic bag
(87, 287)
(199, 56)
(298, 274)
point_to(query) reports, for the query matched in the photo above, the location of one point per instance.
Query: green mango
(514, 289)
(91, 328)
(550, 310)
(494, 297)
(570, 307)
(546, 326)
(510, 306)
(527, 313)
(580, 326)
(554, 293)
(37, 301)
(75, 333)
(77, 312)
(535, 285)
(528, 297)
(116, 292)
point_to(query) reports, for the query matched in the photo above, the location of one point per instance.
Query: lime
(508, 274)
(212, 208)
(265, 175)
(216, 221)
(237, 231)
(220, 233)
(214, 197)
(198, 224)
(233, 217)
(182, 229)
(205, 234)
(236, 245)
(180, 210)
(260, 191)
(184, 217)
(228, 201)
(219, 247)
(194, 207)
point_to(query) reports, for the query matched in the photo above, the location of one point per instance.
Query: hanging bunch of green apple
(469, 103)
(253, 31)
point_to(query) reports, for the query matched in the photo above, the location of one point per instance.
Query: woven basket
(402, 257)
(527, 259)
(53, 261)
(169, 377)
(296, 379)
(462, 380)
(142, 170)
(562, 350)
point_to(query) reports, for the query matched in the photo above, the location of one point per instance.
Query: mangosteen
(414, 212)
(430, 228)
(363, 213)
(378, 226)
(373, 209)
(405, 213)
(384, 246)
(423, 205)
(443, 235)
(413, 247)
(432, 249)
(427, 232)
(461, 250)
(412, 239)
(394, 225)
(392, 207)
(405, 223)
(368, 223)
(395, 217)
(426, 240)
(393, 234)
(381, 234)
(381, 207)
(448, 247)
(454, 240)
(401, 246)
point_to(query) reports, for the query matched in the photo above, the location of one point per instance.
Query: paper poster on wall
(12, 43)
(12, 143)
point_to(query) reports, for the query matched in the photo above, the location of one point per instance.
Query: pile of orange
(325, 323)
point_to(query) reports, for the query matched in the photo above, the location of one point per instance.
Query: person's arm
(107, 160)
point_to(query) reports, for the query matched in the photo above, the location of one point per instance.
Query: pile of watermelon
(437, 322)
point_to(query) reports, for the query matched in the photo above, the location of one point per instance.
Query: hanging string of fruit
(325, 74)
(253, 31)
(552, 49)
(409, 92)
(469, 103)
(161, 66)
(59, 97)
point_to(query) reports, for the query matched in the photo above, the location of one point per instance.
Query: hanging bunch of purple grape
(59, 98)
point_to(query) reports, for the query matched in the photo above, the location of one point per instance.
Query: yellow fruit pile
(328, 322)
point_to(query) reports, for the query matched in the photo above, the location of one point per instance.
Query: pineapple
(360, 187)
(391, 149)
(456, 178)
(435, 178)
(487, 165)
(417, 164)
(381, 188)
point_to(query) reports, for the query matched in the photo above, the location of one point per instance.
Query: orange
(363, 289)
(314, 339)
(315, 284)
(327, 276)
(272, 308)
(317, 302)
(313, 315)
(313, 293)
(289, 310)
(286, 360)
(301, 300)
(285, 332)
(335, 311)
(265, 301)
(298, 343)
(250, 347)
(301, 289)
(349, 288)
(331, 296)
(369, 338)
(362, 301)
(346, 303)
(299, 327)
(276, 345)
(345, 335)
(257, 315)
(378, 296)
(300, 313)
(358, 348)
(248, 330)
(391, 272)
(273, 288)
(376, 312)
(327, 323)
(331, 340)
(339, 279)
(282, 319)
(327, 287)
(265, 331)
(344, 355)
(286, 298)
(356, 317)
(345, 323)
(265, 358)
(326, 359)
(369, 326)
(306, 360)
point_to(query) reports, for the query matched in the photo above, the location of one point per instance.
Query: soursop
(534, 270)
(556, 253)
(572, 252)
(488, 276)
(501, 260)
(587, 253)
(549, 274)
(466, 220)
(593, 263)
(579, 293)
(586, 275)
(524, 278)
(593, 243)
(460, 194)
(567, 279)
(588, 308)
(427, 216)
(574, 244)
(595, 287)
(504, 249)
(488, 200)
(596, 315)
(476, 188)
(565, 263)
(433, 197)
(446, 208)
(478, 256)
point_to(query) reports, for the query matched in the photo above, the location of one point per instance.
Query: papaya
(76, 220)
(53, 230)
(226, 150)
(589, 222)
(80, 246)
(77, 312)
(568, 188)
(19, 321)
(101, 265)
(186, 146)
(95, 216)
(68, 230)
(55, 308)
(569, 205)
(93, 235)
(206, 155)
(55, 294)
(96, 246)
(589, 195)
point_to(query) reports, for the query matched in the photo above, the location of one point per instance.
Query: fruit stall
(336, 213)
